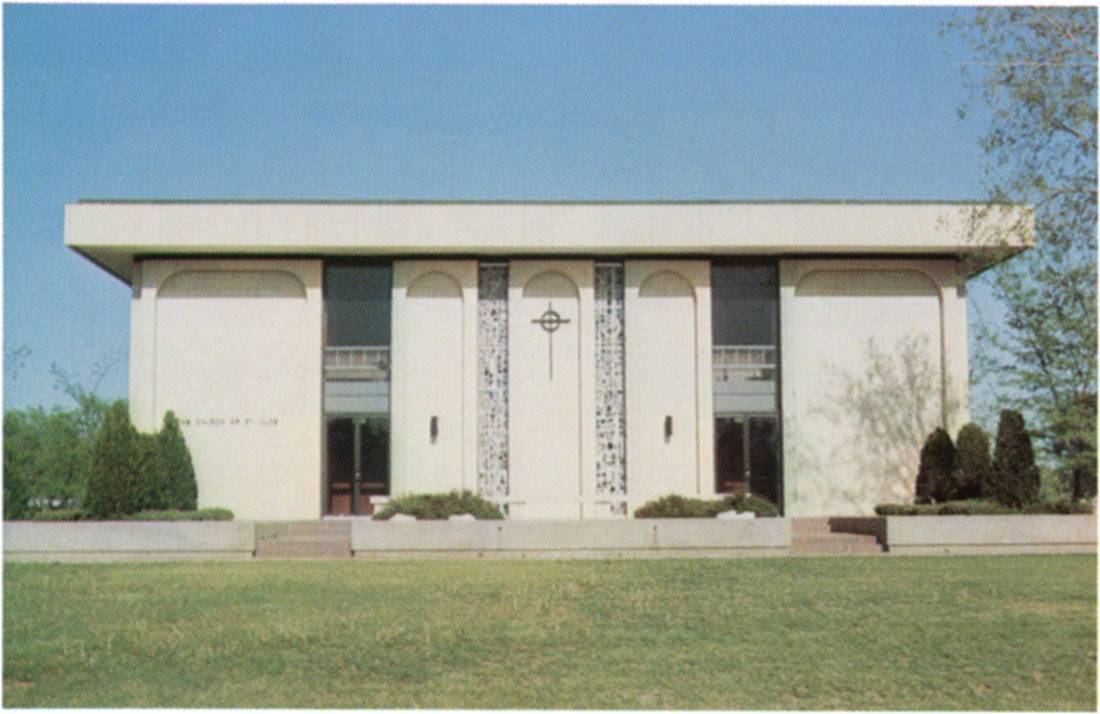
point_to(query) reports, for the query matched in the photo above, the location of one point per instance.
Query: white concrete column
(143, 347)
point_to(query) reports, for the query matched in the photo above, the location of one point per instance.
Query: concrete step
(823, 536)
(319, 529)
(809, 526)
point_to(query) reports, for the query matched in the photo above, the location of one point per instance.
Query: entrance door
(746, 455)
(358, 462)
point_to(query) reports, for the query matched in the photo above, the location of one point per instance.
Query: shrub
(131, 472)
(1060, 507)
(176, 475)
(79, 514)
(973, 472)
(743, 502)
(1016, 477)
(937, 458)
(440, 506)
(975, 507)
(60, 514)
(896, 509)
(113, 486)
(173, 514)
(674, 506)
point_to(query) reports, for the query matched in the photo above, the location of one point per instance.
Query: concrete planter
(987, 535)
(128, 540)
(572, 538)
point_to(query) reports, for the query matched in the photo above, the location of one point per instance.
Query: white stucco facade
(582, 385)
(232, 347)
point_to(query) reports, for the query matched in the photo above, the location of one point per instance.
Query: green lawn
(1008, 632)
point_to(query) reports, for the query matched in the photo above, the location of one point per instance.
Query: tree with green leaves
(1035, 70)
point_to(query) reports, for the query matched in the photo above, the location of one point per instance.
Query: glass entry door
(746, 455)
(358, 462)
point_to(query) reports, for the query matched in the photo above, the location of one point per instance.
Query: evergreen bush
(176, 477)
(1016, 477)
(937, 459)
(745, 502)
(982, 508)
(973, 472)
(440, 506)
(114, 456)
(674, 506)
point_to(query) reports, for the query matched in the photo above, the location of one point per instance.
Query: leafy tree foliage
(1035, 69)
(1016, 481)
(937, 458)
(973, 473)
(44, 452)
(17, 493)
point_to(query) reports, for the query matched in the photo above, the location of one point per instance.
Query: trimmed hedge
(79, 514)
(981, 508)
(440, 506)
(937, 460)
(1017, 476)
(133, 472)
(673, 506)
(973, 473)
(762, 507)
(60, 514)
(176, 475)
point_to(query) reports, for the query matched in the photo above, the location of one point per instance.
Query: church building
(564, 360)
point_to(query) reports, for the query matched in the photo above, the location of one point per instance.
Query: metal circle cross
(550, 320)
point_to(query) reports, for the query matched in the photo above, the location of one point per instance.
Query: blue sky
(442, 102)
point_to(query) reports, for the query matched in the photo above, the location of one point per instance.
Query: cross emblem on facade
(550, 321)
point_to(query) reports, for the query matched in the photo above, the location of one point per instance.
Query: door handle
(668, 427)
(433, 428)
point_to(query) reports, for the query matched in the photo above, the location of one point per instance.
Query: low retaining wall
(128, 540)
(987, 535)
(649, 538)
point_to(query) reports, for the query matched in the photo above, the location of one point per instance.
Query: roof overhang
(113, 233)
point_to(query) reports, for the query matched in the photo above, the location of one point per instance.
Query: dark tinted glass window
(744, 304)
(357, 305)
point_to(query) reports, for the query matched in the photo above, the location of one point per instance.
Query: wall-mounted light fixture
(433, 428)
(668, 428)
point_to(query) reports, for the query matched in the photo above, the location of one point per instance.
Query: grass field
(1007, 632)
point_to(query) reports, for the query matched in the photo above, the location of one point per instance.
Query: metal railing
(371, 364)
(740, 363)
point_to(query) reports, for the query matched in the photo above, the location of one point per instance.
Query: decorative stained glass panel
(492, 380)
(610, 393)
